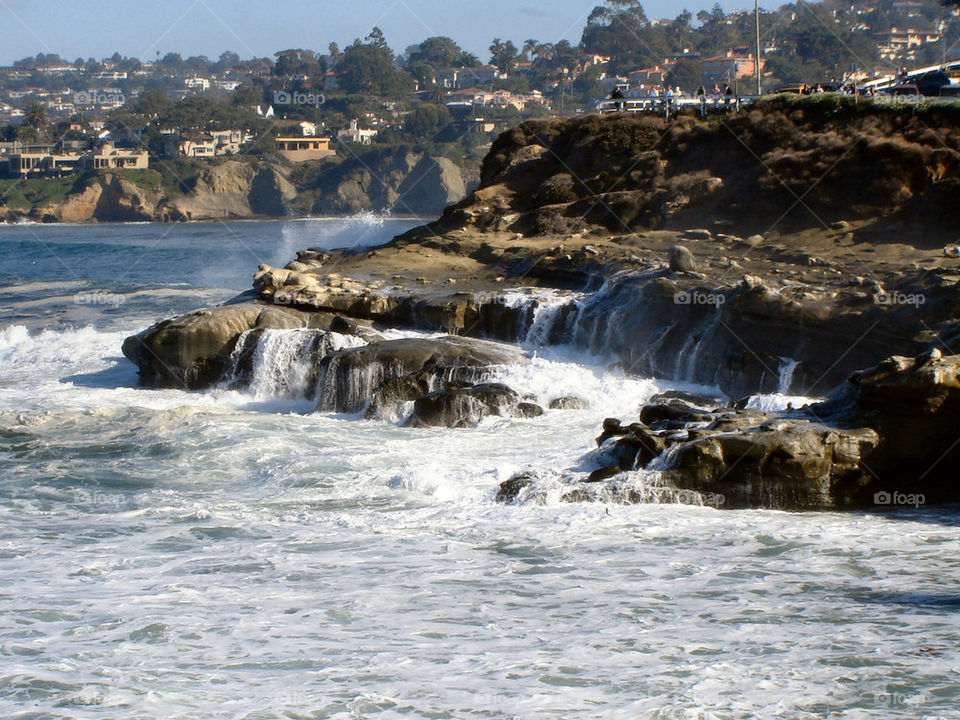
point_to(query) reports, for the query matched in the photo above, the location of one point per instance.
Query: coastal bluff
(781, 250)
(393, 179)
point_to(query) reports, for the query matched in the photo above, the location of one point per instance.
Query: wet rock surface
(442, 377)
(892, 430)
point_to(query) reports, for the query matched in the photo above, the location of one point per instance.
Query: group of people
(667, 94)
(715, 92)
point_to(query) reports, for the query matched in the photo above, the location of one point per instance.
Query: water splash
(785, 374)
(284, 363)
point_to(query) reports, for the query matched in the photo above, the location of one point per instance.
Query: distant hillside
(400, 179)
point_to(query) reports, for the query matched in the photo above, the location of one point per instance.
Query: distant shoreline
(26, 221)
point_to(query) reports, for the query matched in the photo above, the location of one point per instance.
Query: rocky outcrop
(465, 404)
(193, 350)
(625, 173)
(888, 433)
(745, 314)
(380, 377)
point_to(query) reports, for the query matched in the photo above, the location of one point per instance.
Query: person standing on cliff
(617, 97)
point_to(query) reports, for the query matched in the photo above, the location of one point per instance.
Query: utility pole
(756, 13)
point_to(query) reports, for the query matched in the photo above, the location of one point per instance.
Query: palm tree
(531, 48)
(36, 116)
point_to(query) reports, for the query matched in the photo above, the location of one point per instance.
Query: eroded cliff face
(233, 190)
(106, 198)
(399, 180)
(226, 190)
(391, 179)
(777, 164)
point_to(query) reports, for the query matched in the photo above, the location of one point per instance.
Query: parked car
(905, 90)
(930, 82)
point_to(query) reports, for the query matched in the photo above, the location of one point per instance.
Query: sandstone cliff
(395, 179)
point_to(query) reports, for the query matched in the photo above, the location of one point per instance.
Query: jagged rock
(349, 379)
(603, 474)
(682, 260)
(510, 489)
(462, 406)
(611, 428)
(690, 398)
(672, 412)
(785, 464)
(527, 410)
(569, 402)
(638, 446)
(914, 403)
(192, 350)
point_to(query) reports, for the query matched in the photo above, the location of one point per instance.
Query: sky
(142, 28)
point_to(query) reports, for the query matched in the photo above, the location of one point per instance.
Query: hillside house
(302, 149)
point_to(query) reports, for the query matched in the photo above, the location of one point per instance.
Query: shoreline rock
(889, 431)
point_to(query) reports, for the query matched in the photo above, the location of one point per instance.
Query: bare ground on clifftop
(470, 261)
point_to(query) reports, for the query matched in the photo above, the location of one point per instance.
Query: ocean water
(229, 554)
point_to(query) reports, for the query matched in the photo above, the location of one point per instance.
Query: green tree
(172, 62)
(36, 117)
(377, 39)
(152, 102)
(427, 121)
(227, 61)
(27, 134)
(613, 28)
(369, 69)
(503, 55)
(439, 52)
(686, 73)
(295, 62)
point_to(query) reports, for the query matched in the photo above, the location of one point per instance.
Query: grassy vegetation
(177, 177)
(25, 194)
(834, 104)
(147, 179)
(18, 194)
